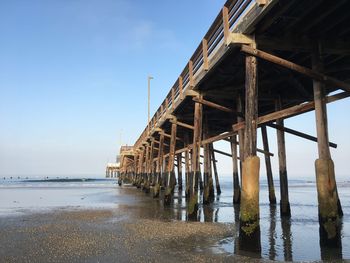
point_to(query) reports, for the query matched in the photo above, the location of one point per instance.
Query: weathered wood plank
(212, 104)
(297, 68)
(291, 111)
(182, 124)
(298, 133)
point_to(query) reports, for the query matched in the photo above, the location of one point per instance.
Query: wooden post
(151, 164)
(166, 104)
(240, 109)
(200, 179)
(172, 98)
(187, 172)
(145, 186)
(170, 168)
(236, 187)
(208, 194)
(249, 209)
(284, 203)
(164, 181)
(197, 132)
(205, 54)
(148, 182)
(145, 167)
(328, 200)
(272, 196)
(156, 187)
(136, 169)
(179, 171)
(137, 164)
(141, 163)
(181, 88)
(226, 23)
(190, 73)
(217, 182)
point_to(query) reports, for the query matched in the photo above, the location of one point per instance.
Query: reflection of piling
(331, 253)
(287, 238)
(272, 233)
(236, 211)
(208, 213)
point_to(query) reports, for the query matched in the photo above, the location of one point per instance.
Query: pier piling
(249, 209)
(236, 187)
(325, 177)
(272, 196)
(282, 161)
(170, 167)
(213, 160)
(197, 133)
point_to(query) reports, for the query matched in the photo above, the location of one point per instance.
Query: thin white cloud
(118, 24)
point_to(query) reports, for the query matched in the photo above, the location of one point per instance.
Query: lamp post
(149, 97)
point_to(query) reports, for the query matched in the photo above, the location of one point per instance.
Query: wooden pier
(112, 170)
(261, 61)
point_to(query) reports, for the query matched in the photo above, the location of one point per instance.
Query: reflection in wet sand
(236, 238)
(287, 238)
(332, 253)
(250, 245)
(272, 233)
(274, 242)
(208, 213)
(246, 245)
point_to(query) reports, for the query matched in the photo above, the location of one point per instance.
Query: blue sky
(73, 77)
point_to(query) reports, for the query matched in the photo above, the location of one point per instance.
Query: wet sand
(109, 236)
(102, 222)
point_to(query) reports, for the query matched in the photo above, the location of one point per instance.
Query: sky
(73, 83)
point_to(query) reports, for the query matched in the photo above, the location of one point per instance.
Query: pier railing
(200, 60)
(126, 148)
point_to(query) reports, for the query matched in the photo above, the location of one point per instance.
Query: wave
(66, 180)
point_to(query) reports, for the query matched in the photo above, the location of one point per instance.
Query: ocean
(294, 239)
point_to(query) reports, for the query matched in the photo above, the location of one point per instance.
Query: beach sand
(99, 221)
(92, 235)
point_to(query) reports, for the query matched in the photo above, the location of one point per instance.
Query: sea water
(285, 239)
